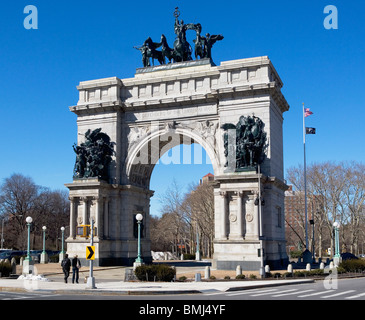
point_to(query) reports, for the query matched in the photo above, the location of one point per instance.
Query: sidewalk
(140, 288)
(109, 281)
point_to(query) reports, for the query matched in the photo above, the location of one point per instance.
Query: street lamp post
(337, 256)
(197, 253)
(44, 258)
(139, 260)
(29, 221)
(262, 268)
(28, 263)
(62, 253)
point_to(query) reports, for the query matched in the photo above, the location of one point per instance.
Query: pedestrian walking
(66, 265)
(76, 265)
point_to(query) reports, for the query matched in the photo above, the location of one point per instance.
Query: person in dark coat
(76, 265)
(66, 265)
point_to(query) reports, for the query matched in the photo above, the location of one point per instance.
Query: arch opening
(162, 148)
(183, 164)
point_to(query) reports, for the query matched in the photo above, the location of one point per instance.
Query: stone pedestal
(237, 241)
(337, 260)
(113, 209)
(44, 258)
(137, 264)
(61, 256)
(28, 267)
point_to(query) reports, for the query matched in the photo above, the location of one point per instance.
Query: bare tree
(20, 197)
(354, 194)
(200, 202)
(339, 192)
(185, 215)
(172, 229)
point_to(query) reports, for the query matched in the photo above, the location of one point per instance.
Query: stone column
(239, 214)
(251, 218)
(224, 215)
(256, 218)
(72, 218)
(84, 216)
(106, 217)
(98, 226)
(235, 218)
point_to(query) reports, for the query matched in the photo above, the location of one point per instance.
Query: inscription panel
(172, 113)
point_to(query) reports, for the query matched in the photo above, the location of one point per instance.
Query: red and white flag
(307, 112)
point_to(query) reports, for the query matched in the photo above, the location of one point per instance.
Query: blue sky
(84, 40)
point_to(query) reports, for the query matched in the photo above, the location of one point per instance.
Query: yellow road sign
(90, 253)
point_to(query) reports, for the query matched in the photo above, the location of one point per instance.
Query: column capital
(252, 195)
(240, 193)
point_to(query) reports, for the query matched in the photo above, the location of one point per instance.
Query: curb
(102, 292)
(128, 292)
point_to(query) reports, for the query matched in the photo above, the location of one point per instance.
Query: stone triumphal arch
(233, 110)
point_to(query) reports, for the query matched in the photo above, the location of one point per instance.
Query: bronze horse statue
(152, 52)
(148, 50)
(181, 50)
(167, 52)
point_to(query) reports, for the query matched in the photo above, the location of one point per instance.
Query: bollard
(238, 270)
(321, 266)
(308, 267)
(207, 272)
(13, 266)
(198, 277)
(267, 268)
(290, 268)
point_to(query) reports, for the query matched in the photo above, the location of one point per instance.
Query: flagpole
(305, 183)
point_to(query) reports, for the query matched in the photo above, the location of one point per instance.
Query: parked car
(35, 254)
(5, 255)
(348, 256)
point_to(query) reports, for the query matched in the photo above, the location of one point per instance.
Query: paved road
(345, 289)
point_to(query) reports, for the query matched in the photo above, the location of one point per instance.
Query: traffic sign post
(90, 255)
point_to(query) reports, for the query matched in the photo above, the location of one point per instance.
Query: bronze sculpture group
(244, 143)
(181, 50)
(93, 156)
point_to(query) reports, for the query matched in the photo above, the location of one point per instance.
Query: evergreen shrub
(5, 268)
(155, 272)
(353, 265)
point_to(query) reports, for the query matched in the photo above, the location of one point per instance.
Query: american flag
(307, 112)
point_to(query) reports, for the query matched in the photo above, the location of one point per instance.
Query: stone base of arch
(230, 254)
(113, 209)
(240, 227)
